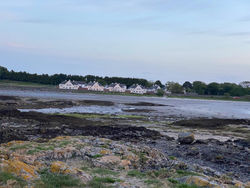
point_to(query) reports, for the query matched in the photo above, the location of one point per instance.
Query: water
(78, 109)
(187, 108)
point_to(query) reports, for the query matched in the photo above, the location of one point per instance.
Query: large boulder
(186, 138)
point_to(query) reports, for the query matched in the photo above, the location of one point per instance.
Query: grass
(20, 146)
(103, 171)
(22, 84)
(161, 173)
(51, 180)
(186, 186)
(39, 148)
(136, 173)
(96, 156)
(224, 98)
(5, 176)
(100, 182)
(186, 173)
(155, 182)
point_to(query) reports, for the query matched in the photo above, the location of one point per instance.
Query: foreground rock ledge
(90, 161)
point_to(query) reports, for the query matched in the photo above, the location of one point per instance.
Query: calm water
(186, 108)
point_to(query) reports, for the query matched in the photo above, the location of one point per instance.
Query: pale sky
(170, 40)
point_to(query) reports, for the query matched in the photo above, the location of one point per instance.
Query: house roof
(114, 84)
(135, 85)
(64, 82)
(77, 82)
(154, 87)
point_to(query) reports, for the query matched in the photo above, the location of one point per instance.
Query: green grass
(155, 182)
(172, 157)
(96, 156)
(173, 180)
(5, 176)
(103, 171)
(22, 84)
(19, 146)
(161, 173)
(100, 182)
(224, 98)
(186, 186)
(40, 148)
(51, 180)
(186, 173)
(136, 173)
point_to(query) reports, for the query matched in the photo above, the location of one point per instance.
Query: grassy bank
(223, 98)
(23, 84)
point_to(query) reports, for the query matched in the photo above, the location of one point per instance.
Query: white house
(95, 86)
(115, 87)
(138, 89)
(69, 85)
(153, 89)
(245, 84)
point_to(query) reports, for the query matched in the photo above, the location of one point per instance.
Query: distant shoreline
(34, 86)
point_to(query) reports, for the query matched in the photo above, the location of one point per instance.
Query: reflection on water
(79, 109)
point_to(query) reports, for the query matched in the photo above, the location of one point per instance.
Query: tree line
(56, 79)
(201, 88)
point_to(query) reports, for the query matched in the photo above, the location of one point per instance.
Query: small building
(94, 86)
(153, 89)
(116, 87)
(69, 85)
(138, 89)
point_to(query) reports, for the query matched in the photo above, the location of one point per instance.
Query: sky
(167, 40)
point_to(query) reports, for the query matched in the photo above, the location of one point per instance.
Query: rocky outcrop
(186, 138)
(96, 161)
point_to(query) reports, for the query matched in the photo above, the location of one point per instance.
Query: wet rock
(193, 151)
(186, 138)
(9, 111)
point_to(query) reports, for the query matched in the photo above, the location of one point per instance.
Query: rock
(238, 184)
(186, 138)
(247, 184)
(125, 164)
(59, 167)
(110, 160)
(11, 183)
(201, 182)
(63, 168)
(28, 172)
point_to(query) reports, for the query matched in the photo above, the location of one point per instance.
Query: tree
(102, 82)
(187, 85)
(3, 72)
(174, 87)
(199, 87)
(160, 92)
(213, 88)
(158, 82)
